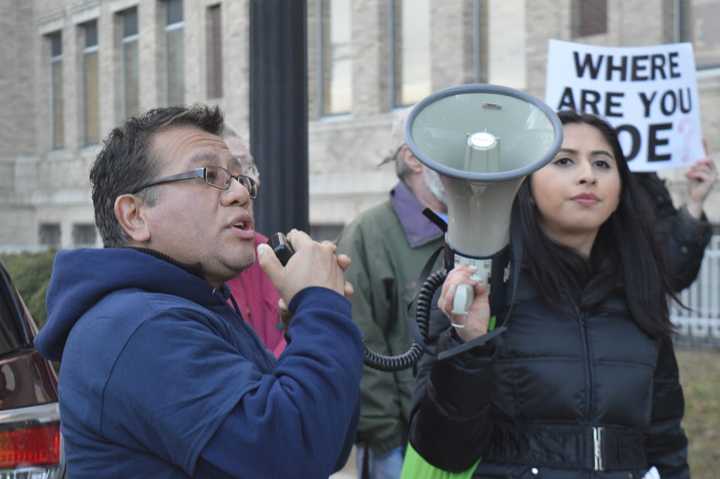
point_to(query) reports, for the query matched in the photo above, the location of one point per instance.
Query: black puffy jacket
(565, 392)
(683, 239)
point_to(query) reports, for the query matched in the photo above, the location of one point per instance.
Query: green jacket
(387, 258)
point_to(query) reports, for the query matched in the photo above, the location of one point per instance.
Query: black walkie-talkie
(282, 247)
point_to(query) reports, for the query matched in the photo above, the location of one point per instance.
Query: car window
(12, 336)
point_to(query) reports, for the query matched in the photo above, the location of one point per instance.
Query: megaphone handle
(464, 293)
(463, 298)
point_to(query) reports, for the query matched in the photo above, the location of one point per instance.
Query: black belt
(593, 448)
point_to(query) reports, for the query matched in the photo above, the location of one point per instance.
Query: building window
(174, 52)
(697, 23)
(130, 66)
(410, 53)
(49, 234)
(84, 235)
(589, 17)
(57, 123)
(90, 107)
(336, 52)
(214, 52)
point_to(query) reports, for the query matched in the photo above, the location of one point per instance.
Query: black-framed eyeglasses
(215, 176)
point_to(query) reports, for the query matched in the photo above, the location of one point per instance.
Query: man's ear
(130, 213)
(410, 160)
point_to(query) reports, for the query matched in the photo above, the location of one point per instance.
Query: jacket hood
(81, 278)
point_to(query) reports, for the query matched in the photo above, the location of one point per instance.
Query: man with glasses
(160, 376)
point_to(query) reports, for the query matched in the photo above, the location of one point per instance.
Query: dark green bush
(30, 273)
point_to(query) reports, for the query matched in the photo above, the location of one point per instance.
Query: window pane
(480, 40)
(91, 111)
(11, 335)
(90, 31)
(55, 44)
(129, 22)
(56, 102)
(214, 52)
(174, 53)
(175, 68)
(336, 56)
(701, 20)
(84, 234)
(49, 234)
(412, 50)
(57, 130)
(129, 87)
(131, 84)
(589, 17)
(174, 11)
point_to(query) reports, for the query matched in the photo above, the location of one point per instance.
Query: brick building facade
(73, 69)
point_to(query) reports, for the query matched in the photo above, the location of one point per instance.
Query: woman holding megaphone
(584, 381)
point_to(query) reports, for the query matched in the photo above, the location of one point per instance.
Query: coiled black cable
(409, 358)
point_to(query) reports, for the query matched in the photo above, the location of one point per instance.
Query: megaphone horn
(482, 140)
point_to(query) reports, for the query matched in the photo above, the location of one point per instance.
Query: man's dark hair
(625, 256)
(126, 161)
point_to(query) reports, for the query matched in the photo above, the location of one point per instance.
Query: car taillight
(31, 443)
(36, 445)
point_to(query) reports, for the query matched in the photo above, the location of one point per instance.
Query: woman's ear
(130, 214)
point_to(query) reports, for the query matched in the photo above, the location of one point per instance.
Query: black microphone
(282, 247)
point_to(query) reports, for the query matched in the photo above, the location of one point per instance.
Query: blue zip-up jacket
(161, 378)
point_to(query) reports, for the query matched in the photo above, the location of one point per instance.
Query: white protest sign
(649, 94)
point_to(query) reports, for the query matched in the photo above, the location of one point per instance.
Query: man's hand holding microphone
(312, 264)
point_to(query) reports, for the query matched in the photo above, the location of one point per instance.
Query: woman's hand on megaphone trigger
(475, 323)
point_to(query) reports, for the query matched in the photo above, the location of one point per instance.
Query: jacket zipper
(597, 448)
(588, 366)
(596, 430)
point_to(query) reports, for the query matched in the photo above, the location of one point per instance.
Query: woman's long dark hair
(624, 256)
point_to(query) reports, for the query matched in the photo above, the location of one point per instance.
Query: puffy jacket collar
(577, 299)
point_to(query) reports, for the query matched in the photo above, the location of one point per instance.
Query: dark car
(30, 440)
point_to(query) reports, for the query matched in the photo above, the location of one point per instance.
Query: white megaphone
(482, 140)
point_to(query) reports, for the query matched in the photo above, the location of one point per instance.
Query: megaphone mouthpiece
(482, 152)
(482, 140)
